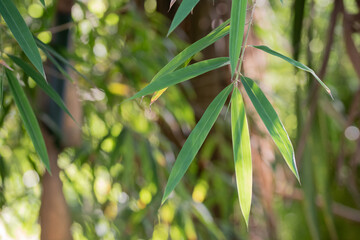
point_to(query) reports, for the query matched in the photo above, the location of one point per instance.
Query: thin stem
(246, 38)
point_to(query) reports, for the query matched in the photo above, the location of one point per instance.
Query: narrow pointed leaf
(295, 64)
(194, 48)
(28, 117)
(184, 9)
(242, 153)
(41, 82)
(50, 51)
(59, 67)
(21, 33)
(42, 2)
(272, 122)
(237, 26)
(195, 141)
(190, 51)
(181, 75)
(158, 94)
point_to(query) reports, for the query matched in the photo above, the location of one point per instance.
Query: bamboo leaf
(184, 9)
(242, 153)
(156, 95)
(43, 2)
(181, 75)
(237, 26)
(296, 64)
(21, 33)
(41, 82)
(50, 51)
(58, 66)
(194, 48)
(28, 117)
(195, 140)
(272, 122)
(190, 51)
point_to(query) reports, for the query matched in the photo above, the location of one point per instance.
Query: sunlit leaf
(296, 64)
(237, 26)
(242, 152)
(41, 82)
(28, 117)
(195, 141)
(156, 95)
(184, 9)
(272, 122)
(194, 48)
(190, 51)
(181, 75)
(21, 33)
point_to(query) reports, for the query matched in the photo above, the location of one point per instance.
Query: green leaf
(50, 51)
(184, 9)
(294, 63)
(189, 52)
(58, 66)
(41, 82)
(4, 172)
(237, 26)
(21, 33)
(194, 48)
(272, 122)
(27, 115)
(43, 2)
(181, 75)
(242, 153)
(195, 140)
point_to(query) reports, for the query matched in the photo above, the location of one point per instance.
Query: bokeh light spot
(45, 36)
(30, 178)
(352, 133)
(35, 10)
(150, 6)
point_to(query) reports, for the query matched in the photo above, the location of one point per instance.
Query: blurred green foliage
(114, 181)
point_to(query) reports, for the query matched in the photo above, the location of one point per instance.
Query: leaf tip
(329, 92)
(49, 170)
(247, 223)
(296, 173)
(163, 200)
